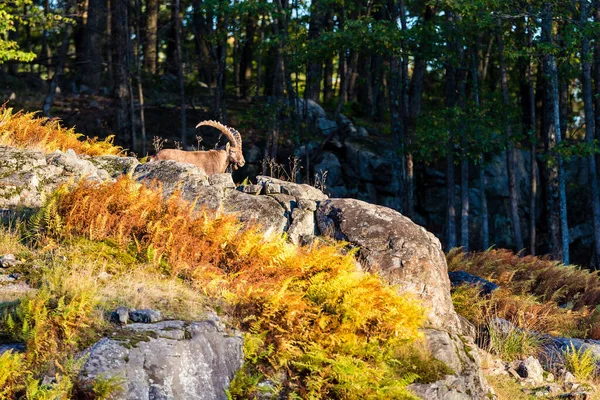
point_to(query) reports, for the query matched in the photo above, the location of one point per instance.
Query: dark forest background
(450, 87)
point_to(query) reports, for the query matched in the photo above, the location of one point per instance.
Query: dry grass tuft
(26, 130)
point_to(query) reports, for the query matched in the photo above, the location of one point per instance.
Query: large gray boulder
(217, 193)
(408, 256)
(168, 360)
(262, 210)
(460, 354)
(395, 248)
(172, 176)
(449, 388)
(72, 164)
(20, 177)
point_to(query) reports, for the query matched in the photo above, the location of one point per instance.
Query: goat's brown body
(211, 161)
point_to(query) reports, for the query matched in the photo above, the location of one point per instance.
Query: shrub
(316, 327)
(25, 130)
(580, 362)
(53, 321)
(533, 293)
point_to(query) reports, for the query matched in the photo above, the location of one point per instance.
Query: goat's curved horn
(234, 136)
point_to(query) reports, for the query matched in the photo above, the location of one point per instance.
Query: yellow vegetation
(26, 130)
(314, 325)
(580, 362)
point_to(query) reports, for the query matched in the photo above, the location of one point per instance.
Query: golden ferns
(26, 130)
(330, 330)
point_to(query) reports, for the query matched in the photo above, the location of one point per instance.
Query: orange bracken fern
(26, 130)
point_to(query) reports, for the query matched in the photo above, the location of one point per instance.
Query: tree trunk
(350, 92)
(346, 81)
(464, 162)
(171, 63)
(485, 225)
(314, 69)
(28, 34)
(179, 59)
(46, 53)
(558, 221)
(532, 149)
(120, 32)
(109, 49)
(397, 118)
(94, 33)
(202, 36)
(80, 17)
(60, 66)
(138, 62)
(247, 54)
(151, 36)
(259, 57)
(510, 156)
(415, 96)
(597, 71)
(450, 89)
(586, 83)
(328, 91)
(13, 67)
(450, 206)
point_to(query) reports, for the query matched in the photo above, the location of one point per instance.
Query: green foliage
(478, 126)
(512, 343)
(11, 13)
(580, 362)
(107, 388)
(53, 320)
(9, 49)
(46, 223)
(12, 371)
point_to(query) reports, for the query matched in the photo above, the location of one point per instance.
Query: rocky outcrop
(168, 360)
(391, 245)
(27, 175)
(408, 256)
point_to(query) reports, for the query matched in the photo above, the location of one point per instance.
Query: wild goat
(211, 161)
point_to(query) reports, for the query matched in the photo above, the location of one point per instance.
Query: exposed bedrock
(168, 360)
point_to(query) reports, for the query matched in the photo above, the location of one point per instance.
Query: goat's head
(234, 148)
(236, 158)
